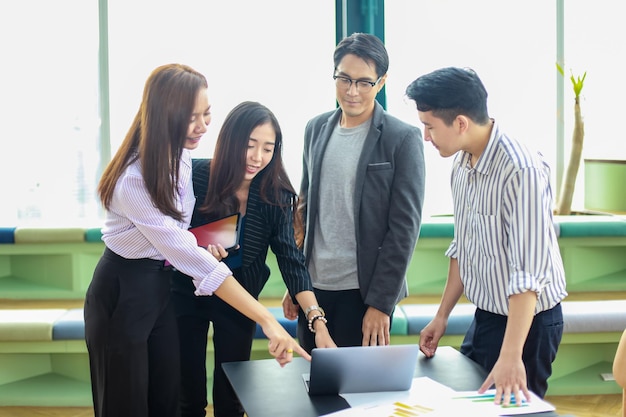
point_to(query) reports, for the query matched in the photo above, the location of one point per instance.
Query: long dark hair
(229, 161)
(157, 136)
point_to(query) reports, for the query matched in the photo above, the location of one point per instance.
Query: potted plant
(605, 179)
(564, 203)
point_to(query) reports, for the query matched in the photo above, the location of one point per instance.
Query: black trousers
(344, 311)
(484, 338)
(233, 334)
(131, 335)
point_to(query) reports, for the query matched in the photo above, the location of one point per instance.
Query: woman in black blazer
(246, 175)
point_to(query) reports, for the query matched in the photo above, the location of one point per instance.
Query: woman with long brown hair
(130, 325)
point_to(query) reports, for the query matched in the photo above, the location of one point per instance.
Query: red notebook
(224, 231)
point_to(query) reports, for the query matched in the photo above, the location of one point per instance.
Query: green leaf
(578, 83)
(560, 69)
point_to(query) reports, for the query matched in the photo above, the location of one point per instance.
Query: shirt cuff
(522, 282)
(210, 283)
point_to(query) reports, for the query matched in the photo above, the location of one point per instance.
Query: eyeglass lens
(361, 85)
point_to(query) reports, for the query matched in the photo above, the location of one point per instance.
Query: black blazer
(266, 225)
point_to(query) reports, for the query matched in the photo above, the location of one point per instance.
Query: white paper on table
(471, 403)
(422, 399)
(429, 398)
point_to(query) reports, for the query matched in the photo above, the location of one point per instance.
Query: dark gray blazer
(389, 197)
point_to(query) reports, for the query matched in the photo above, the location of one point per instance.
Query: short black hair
(367, 47)
(451, 91)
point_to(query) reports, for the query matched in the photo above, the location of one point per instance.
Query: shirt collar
(484, 162)
(185, 157)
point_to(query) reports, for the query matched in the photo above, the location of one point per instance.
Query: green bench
(43, 351)
(43, 359)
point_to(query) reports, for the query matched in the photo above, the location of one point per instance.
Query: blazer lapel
(373, 136)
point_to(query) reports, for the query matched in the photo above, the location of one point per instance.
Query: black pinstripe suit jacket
(266, 226)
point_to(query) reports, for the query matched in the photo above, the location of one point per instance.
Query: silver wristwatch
(312, 308)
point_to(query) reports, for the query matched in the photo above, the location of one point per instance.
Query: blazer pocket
(377, 166)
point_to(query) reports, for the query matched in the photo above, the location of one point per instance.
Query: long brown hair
(229, 161)
(157, 136)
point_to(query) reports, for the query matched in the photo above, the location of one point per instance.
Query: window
(248, 50)
(512, 47)
(49, 102)
(261, 50)
(594, 34)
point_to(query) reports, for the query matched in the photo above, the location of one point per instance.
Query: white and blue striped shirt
(504, 237)
(134, 228)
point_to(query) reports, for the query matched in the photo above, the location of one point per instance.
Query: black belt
(108, 253)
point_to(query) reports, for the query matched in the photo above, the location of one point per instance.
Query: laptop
(357, 369)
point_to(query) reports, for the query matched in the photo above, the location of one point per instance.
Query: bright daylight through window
(51, 137)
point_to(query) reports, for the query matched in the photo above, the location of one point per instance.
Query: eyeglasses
(363, 86)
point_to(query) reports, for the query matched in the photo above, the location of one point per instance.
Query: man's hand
(430, 335)
(375, 328)
(509, 377)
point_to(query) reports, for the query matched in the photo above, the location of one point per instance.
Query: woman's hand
(281, 345)
(217, 251)
(322, 336)
(290, 310)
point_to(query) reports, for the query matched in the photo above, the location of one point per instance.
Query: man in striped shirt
(504, 256)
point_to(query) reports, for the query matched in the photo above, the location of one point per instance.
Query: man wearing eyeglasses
(361, 199)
